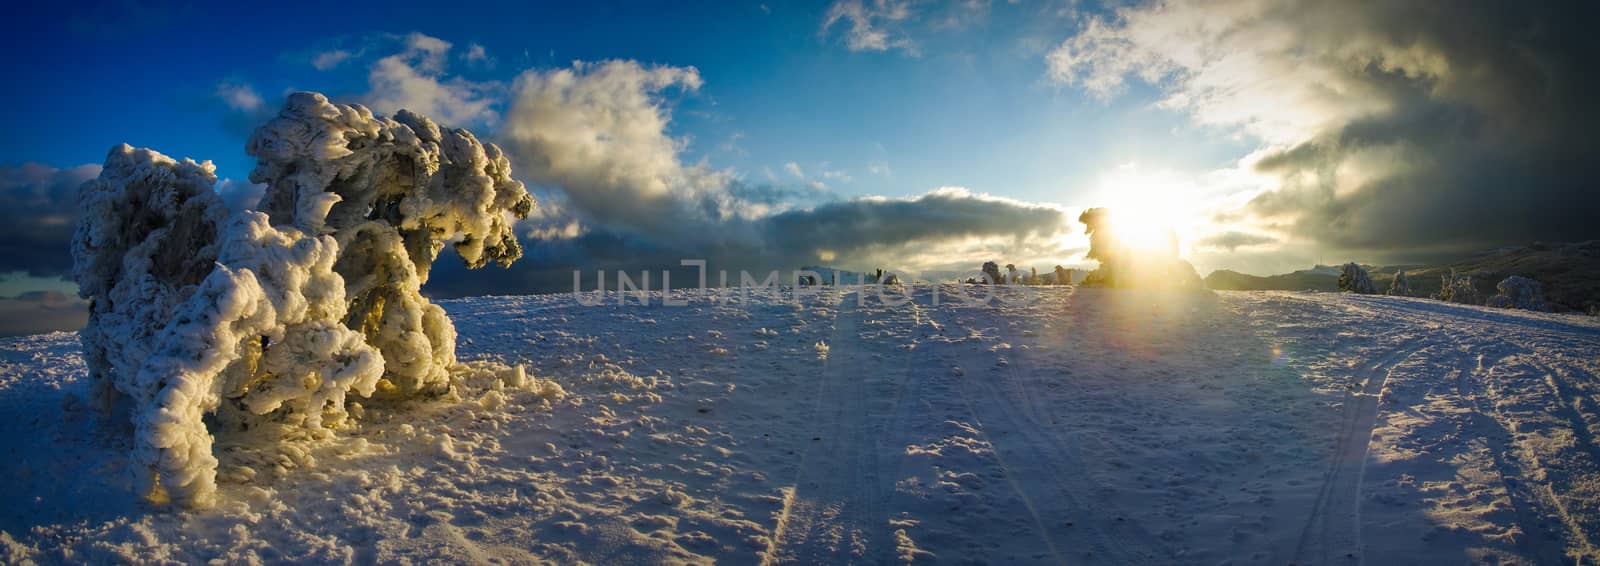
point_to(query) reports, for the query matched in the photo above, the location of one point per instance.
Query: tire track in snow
(1335, 521)
(1534, 334)
(894, 438)
(1584, 444)
(1526, 505)
(942, 318)
(835, 513)
(1043, 467)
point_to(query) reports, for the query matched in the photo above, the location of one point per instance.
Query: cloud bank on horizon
(1375, 131)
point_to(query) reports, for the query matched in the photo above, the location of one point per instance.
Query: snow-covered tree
(281, 312)
(1457, 288)
(1011, 274)
(392, 191)
(1399, 287)
(991, 271)
(1354, 279)
(147, 239)
(1518, 292)
(1063, 275)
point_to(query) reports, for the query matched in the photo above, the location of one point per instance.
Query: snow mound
(281, 313)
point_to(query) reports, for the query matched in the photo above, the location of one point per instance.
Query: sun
(1143, 231)
(1151, 211)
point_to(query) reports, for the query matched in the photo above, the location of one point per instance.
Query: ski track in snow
(1091, 426)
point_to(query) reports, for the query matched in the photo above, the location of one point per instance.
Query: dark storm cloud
(41, 311)
(1396, 129)
(941, 215)
(1234, 239)
(37, 212)
(861, 232)
(1500, 149)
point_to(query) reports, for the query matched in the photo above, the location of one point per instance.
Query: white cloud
(239, 96)
(794, 169)
(413, 79)
(327, 60)
(1237, 63)
(873, 27)
(428, 52)
(598, 132)
(476, 54)
(732, 144)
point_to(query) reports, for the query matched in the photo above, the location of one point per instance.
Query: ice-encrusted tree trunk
(280, 313)
(1354, 279)
(1399, 287)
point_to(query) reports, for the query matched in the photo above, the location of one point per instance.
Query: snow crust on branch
(281, 313)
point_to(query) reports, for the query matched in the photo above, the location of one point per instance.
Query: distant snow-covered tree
(991, 271)
(1518, 292)
(284, 311)
(1354, 279)
(1063, 275)
(1399, 287)
(1011, 274)
(1457, 288)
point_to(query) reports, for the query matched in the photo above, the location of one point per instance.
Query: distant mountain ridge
(1570, 273)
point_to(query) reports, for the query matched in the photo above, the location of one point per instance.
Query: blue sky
(973, 107)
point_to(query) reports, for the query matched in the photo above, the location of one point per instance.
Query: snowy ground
(1096, 426)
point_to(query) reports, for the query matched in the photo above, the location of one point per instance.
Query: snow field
(1095, 426)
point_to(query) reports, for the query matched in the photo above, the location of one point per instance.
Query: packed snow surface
(1093, 426)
